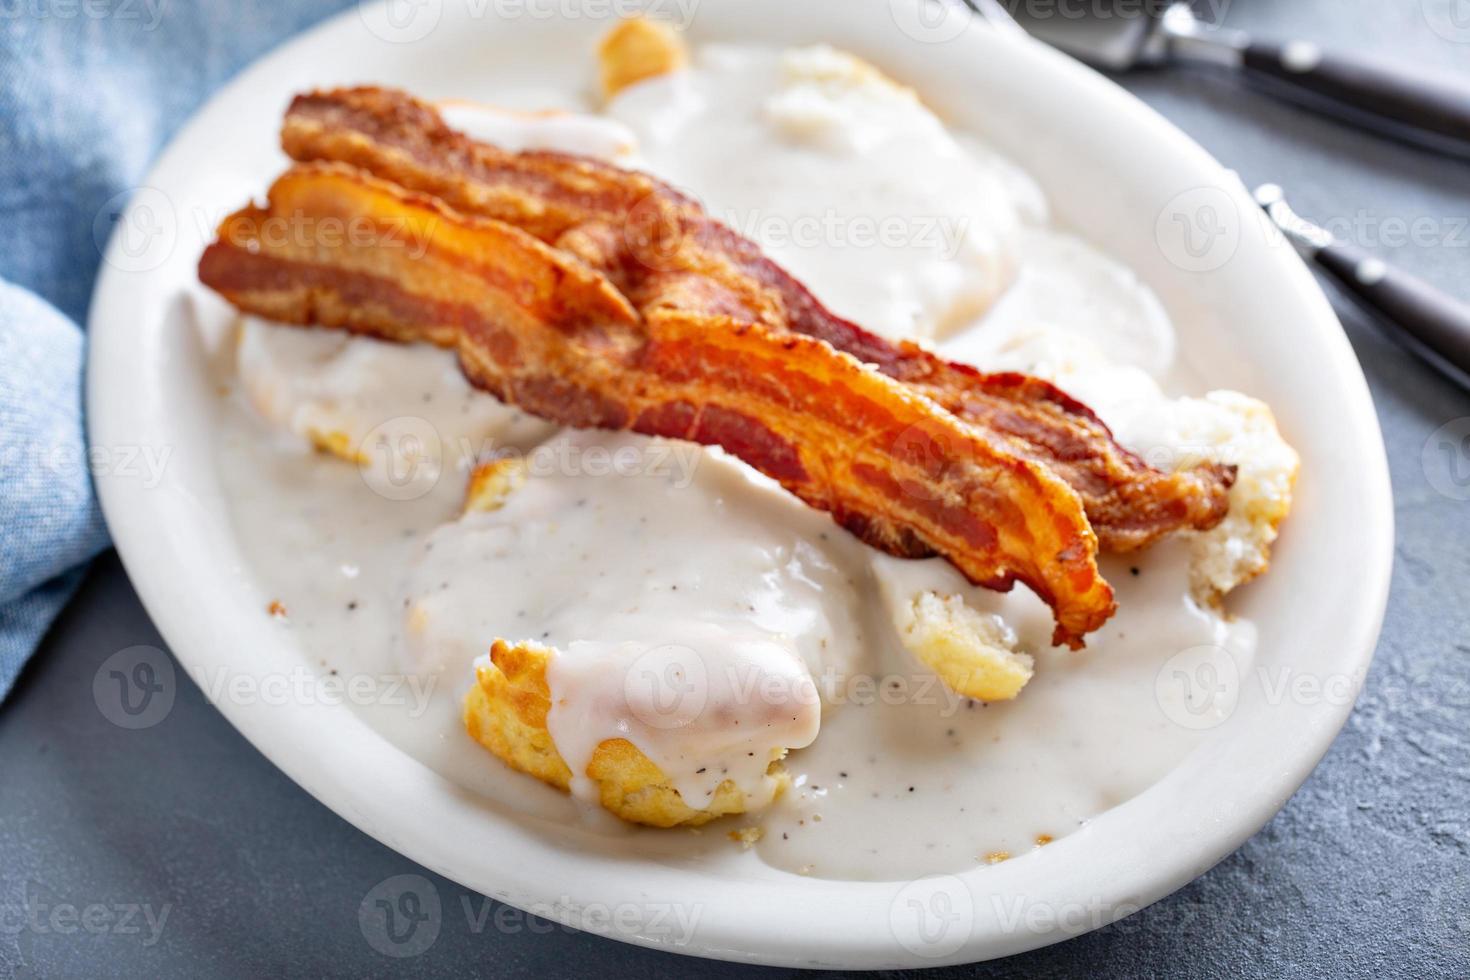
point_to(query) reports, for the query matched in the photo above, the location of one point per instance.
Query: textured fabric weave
(90, 90)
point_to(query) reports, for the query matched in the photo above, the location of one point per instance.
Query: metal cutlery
(1407, 103)
(1426, 320)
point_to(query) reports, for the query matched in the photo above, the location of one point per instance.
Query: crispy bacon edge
(662, 250)
(538, 328)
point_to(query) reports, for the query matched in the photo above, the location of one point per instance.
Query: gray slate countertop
(224, 867)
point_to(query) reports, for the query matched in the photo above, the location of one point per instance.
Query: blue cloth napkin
(89, 93)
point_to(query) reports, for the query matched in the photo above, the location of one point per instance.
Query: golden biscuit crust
(637, 49)
(974, 655)
(506, 712)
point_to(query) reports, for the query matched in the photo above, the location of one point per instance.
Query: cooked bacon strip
(537, 328)
(663, 251)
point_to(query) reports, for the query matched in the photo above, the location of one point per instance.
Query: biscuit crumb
(492, 482)
(747, 837)
(995, 857)
(336, 443)
(417, 619)
(276, 609)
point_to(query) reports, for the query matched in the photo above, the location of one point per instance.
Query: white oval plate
(1250, 317)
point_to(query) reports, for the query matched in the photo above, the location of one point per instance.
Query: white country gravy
(690, 603)
(652, 566)
(843, 177)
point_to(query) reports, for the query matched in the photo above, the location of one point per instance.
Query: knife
(1409, 104)
(1430, 323)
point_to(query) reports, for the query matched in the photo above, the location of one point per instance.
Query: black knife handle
(1408, 100)
(1433, 324)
